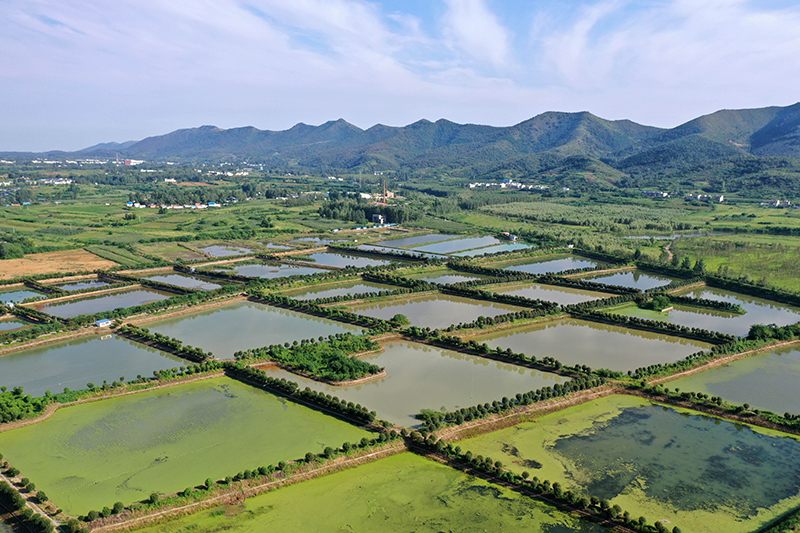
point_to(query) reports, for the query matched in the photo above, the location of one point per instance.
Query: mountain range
(544, 141)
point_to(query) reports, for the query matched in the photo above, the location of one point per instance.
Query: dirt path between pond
(144, 319)
(29, 502)
(723, 361)
(598, 272)
(237, 495)
(524, 414)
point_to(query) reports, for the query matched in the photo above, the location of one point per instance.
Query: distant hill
(553, 143)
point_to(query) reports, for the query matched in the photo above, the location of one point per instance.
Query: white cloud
(473, 28)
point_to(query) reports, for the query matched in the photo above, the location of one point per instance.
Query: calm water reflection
(574, 341)
(434, 310)
(238, 326)
(103, 302)
(548, 264)
(423, 377)
(550, 293)
(635, 279)
(77, 362)
(339, 289)
(766, 381)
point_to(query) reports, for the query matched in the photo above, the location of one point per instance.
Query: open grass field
(399, 493)
(702, 474)
(774, 259)
(53, 262)
(121, 449)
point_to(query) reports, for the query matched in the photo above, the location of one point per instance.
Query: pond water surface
(550, 293)
(187, 282)
(766, 381)
(80, 285)
(458, 245)
(424, 377)
(268, 270)
(445, 277)
(339, 289)
(702, 474)
(103, 302)
(434, 310)
(635, 279)
(230, 328)
(574, 341)
(510, 247)
(342, 259)
(76, 362)
(17, 295)
(413, 241)
(12, 323)
(548, 264)
(225, 251)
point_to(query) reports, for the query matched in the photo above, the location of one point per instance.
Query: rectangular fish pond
(89, 305)
(265, 270)
(18, 294)
(404, 492)
(185, 281)
(766, 381)
(10, 323)
(434, 310)
(344, 259)
(702, 474)
(331, 290)
(420, 377)
(458, 245)
(238, 326)
(635, 279)
(122, 449)
(547, 264)
(225, 250)
(80, 285)
(445, 276)
(550, 293)
(407, 242)
(76, 362)
(576, 341)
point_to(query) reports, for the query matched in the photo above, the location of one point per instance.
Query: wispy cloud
(474, 29)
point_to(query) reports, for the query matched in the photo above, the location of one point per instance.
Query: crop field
(673, 465)
(118, 255)
(122, 449)
(400, 493)
(170, 251)
(52, 262)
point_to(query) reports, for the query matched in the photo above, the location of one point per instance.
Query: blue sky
(78, 72)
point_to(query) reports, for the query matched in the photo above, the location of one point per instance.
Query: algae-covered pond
(99, 303)
(90, 455)
(225, 251)
(634, 279)
(550, 293)
(331, 290)
(229, 328)
(76, 362)
(703, 474)
(575, 341)
(548, 264)
(765, 381)
(424, 377)
(403, 492)
(434, 310)
(267, 270)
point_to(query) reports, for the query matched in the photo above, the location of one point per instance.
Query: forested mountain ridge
(760, 144)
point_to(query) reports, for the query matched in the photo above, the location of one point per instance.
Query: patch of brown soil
(53, 262)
